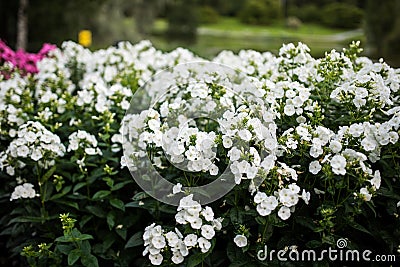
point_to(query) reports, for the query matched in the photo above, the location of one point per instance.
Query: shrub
(182, 17)
(342, 15)
(208, 15)
(307, 13)
(260, 12)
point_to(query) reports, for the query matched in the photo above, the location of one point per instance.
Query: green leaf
(84, 220)
(306, 222)
(101, 194)
(67, 203)
(48, 174)
(119, 204)
(89, 261)
(133, 204)
(167, 209)
(109, 181)
(140, 196)
(48, 189)
(135, 240)
(233, 252)
(195, 260)
(147, 205)
(388, 193)
(79, 186)
(108, 242)
(95, 174)
(261, 220)
(120, 185)
(62, 193)
(371, 206)
(85, 247)
(73, 256)
(329, 239)
(111, 219)
(122, 233)
(65, 239)
(236, 215)
(360, 228)
(273, 218)
(30, 219)
(97, 211)
(64, 249)
(85, 237)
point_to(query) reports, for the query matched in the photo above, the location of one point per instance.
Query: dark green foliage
(306, 13)
(207, 15)
(341, 15)
(182, 17)
(260, 12)
(382, 29)
(57, 21)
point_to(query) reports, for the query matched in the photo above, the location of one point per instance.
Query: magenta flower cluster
(23, 61)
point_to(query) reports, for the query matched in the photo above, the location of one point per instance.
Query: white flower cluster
(53, 85)
(25, 190)
(352, 148)
(367, 191)
(247, 162)
(202, 223)
(109, 63)
(97, 94)
(85, 141)
(286, 198)
(13, 102)
(170, 128)
(35, 142)
(192, 145)
(367, 86)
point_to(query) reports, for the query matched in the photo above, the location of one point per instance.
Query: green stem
(265, 230)
(41, 192)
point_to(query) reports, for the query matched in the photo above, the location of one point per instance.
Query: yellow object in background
(85, 38)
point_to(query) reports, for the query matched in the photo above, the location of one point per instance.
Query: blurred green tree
(260, 12)
(49, 20)
(223, 7)
(207, 15)
(145, 12)
(182, 17)
(341, 15)
(382, 27)
(56, 20)
(391, 44)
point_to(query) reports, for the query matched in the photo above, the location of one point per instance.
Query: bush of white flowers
(309, 148)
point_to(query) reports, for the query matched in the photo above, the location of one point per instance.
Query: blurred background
(207, 26)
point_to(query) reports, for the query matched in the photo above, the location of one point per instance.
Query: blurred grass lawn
(278, 28)
(231, 34)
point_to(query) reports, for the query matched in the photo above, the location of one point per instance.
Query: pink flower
(23, 61)
(6, 53)
(46, 48)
